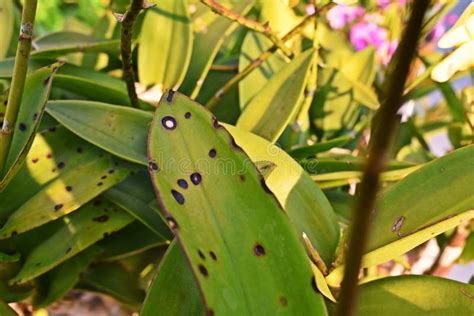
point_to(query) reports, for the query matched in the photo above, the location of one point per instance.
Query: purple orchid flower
(341, 15)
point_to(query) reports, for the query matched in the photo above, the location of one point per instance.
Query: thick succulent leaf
(166, 30)
(174, 290)
(440, 199)
(415, 295)
(305, 204)
(262, 269)
(89, 120)
(7, 19)
(401, 246)
(60, 43)
(208, 38)
(53, 285)
(114, 279)
(133, 195)
(79, 230)
(6, 65)
(131, 240)
(252, 47)
(61, 174)
(273, 107)
(312, 150)
(6, 310)
(300, 196)
(36, 94)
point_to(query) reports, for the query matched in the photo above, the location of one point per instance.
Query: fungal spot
(178, 196)
(49, 156)
(259, 250)
(203, 270)
(101, 219)
(170, 96)
(397, 225)
(172, 222)
(99, 184)
(61, 165)
(212, 153)
(14, 233)
(215, 122)
(213, 255)
(182, 183)
(103, 177)
(283, 301)
(264, 186)
(169, 122)
(242, 177)
(37, 264)
(153, 166)
(22, 127)
(68, 188)
(53, 170)
(57, 207)
(111, 171)
(201, 255)
(79, 150)
(187, 115)
(196, 178)
(34, 160)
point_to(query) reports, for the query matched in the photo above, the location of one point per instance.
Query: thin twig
(128, 20)
(255, 64)
(378, 148)
(18, 79)
(250, 24)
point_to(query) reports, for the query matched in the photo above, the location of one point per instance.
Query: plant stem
(254, 64)
(378, 149)
(18, 79)
(128, 20)
(250, 24)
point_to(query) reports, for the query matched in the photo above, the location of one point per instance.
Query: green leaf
(303, 201)
(7, 19)
(270, 111)
(212, 30)
(165, 44)
(133, 195)
(415, 295)
(6, 310)
(36, 94)
(131, 240)
(307, 151)
(402, 245)
(60, 43)
(61, 188)
(262, 268)
(252, 47)
(104, 125)
(174, 290)
(439, 200)
(79, 231)
(53, 285)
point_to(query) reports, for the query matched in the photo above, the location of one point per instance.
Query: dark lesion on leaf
(178, 197)
(101, 219)
(203, 270)
(259, 250)
(213, 255)
(201, 255)
(173, 224)
(169, 97)
(283, 301)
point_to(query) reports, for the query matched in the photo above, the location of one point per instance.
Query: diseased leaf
(173, 290)
(36, 94)
(7, 19)
(270, 111)
(415, 295)
(79, 231)
(439, 200)
(262, 269)
(103, 125)
(166, 30)
(61, 174)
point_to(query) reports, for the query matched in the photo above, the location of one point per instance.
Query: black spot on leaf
(182, 183)
(178, 196)
(201, 255)
(68, 250)
(22, 127)
(172, 222)
(203, 270)
(153, 166)
(110, 171)
(169, 122)
(68, 188)
(196, 178)
(170, 96)
(103, 177)
(80, 150)
(212, 153)
(99, 184)
(57, 207)
(259, 250)
(213, 255)
(101, 219)
(34, 160)
(61, 165)
(283, 301)
(187, 115)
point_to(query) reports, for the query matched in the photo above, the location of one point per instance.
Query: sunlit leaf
(7, 18)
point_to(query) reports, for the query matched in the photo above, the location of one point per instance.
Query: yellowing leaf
(461, 59)
(165, 44)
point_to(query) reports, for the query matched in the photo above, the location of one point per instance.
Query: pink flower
(386, 51)
(341, 15)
